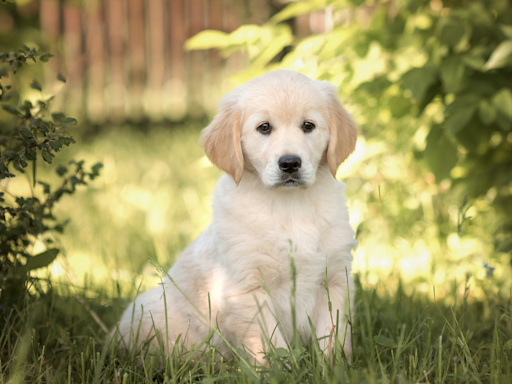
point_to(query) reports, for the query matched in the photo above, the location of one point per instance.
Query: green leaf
(56, 145)
(475, 62)
(457, 121)
(27, 105)
(58, 117)
(506, 247)
(452, 33)
(10, 153)
(486, 112)
(207, 39)
(507, 30)
(440, 153)
(277, 44)
(465, 101)
(508, 345)
(61, 170)
(452, 72)
(70, 121)
(4, 171)
(432, 91)
(30, 154)
(42, 125)
(35, 85)
(96, 168)
(296, 352)
(47, 156)
(38, 261)
(500, 55)
(46, 57)
(246, 34)
(296, 9)
(25, 132)
(281, 352)
(383, 341)
(399, 106)
(65, 140)
(418, 80)
(50, 125)
(503, 102)
(11, 110)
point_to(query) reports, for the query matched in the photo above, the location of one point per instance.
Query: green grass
(52, 337)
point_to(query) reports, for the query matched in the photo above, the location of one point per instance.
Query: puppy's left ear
(343, 132)
(221, 139)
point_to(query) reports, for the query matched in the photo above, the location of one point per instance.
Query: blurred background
(124, 60)
(428, 82)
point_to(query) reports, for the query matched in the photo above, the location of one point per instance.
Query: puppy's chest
(278, 236)
(259, 239)
(282, 232)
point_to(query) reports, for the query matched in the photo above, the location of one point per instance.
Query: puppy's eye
(265, 128)
(308, 126)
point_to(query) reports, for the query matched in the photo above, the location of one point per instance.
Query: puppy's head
(283, 126)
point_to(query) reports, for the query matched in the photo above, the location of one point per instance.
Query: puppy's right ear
(221, 139)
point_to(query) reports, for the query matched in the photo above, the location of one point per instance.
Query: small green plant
(26, 137)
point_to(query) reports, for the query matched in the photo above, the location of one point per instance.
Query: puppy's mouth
(290, 183)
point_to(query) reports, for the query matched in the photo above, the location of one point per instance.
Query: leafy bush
(437, 73)
(26, 137)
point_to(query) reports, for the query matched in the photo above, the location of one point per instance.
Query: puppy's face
(283, 126)
(285, 131)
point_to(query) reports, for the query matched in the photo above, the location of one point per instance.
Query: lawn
(400, 338)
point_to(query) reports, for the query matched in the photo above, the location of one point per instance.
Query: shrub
(26, 137)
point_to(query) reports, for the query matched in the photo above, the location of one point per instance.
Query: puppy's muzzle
(289, 163)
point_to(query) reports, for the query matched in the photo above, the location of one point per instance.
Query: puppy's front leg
(325, 324)
(255, 324)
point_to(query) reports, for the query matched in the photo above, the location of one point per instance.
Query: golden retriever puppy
(280, 139)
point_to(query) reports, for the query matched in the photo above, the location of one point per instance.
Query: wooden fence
(124, 59)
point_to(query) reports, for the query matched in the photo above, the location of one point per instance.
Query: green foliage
(441, 65)
(26, 137)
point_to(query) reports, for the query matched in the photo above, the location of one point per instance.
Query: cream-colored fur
(242, 259)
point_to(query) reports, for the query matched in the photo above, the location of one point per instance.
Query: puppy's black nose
(289, 163)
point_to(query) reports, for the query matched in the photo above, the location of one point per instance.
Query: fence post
(95, 59)
(116, 89)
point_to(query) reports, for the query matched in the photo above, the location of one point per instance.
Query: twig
(426, 378)
(461, 217)
(93, 314)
